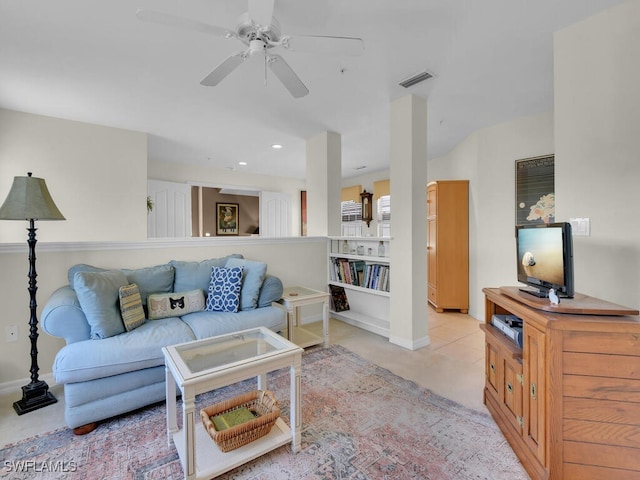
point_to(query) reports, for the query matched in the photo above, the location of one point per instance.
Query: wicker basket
(261, 401)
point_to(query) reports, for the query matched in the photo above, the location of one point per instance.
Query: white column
(324, 184)
(408, 172)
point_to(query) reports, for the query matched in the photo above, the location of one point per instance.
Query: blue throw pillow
(98, 294)
(224, 289)
(254, 273)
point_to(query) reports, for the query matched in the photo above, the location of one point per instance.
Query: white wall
(487, 159)
(96, 175)
(597, 128)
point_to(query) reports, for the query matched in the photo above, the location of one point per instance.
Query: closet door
(275, 214)
(171, 214)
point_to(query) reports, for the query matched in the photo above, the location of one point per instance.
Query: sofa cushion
(271, 291)
(127, 352)
(224, 289)
(131, 307)
(162, 305)
(252, 278)
(81, 267)
(158, 279)
(192, 275)
(98, 296)
(207, 324)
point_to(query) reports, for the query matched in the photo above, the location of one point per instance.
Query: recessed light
(242, 163)
(276, 146)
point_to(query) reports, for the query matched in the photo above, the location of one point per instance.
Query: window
(351, 213)
(384, 216)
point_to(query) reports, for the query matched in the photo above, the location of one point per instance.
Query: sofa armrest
(62, 316)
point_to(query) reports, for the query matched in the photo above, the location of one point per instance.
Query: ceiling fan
(260, 31)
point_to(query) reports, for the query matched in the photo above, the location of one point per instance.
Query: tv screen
(545, 258)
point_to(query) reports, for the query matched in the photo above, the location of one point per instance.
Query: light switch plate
(581, 226)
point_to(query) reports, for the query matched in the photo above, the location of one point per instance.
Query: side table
(292, 299)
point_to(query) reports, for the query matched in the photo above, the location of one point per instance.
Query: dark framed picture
(535, 190)
(227, 222)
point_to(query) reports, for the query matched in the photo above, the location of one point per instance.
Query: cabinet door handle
(533, 391)
(509, 387)
(492, 367)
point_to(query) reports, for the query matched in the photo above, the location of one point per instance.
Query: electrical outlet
(11, 333)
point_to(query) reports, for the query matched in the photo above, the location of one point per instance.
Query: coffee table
(204, 365)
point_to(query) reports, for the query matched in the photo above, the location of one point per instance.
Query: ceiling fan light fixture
(411, 81)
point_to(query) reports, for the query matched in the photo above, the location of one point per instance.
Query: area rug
(360, 422)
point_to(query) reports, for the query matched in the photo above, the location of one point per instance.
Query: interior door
(171, 214)
(275, 214)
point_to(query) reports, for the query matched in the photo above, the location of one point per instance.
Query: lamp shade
(29, 199)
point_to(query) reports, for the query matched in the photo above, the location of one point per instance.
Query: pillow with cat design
(162, 305)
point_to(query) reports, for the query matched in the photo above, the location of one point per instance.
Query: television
(545, 258)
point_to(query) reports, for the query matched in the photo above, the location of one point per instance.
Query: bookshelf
(354, 263)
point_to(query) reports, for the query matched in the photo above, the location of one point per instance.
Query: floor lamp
(29, 199)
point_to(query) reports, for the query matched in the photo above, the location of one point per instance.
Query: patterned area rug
(360, 422)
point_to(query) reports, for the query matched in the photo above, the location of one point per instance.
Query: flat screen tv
(545, 258)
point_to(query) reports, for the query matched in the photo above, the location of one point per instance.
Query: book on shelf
(360, 273)
(339, 300)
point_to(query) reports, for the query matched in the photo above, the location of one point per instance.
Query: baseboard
(410, 345)
(15, 386)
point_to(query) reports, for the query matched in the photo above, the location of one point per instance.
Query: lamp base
(34, 396)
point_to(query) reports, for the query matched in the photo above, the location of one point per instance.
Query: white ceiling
(93, 61)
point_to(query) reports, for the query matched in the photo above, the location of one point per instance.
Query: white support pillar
(408, 172)
(324, 184)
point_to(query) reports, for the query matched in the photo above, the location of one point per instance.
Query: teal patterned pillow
(224, 289)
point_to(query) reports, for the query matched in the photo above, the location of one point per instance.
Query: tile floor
(452, 366)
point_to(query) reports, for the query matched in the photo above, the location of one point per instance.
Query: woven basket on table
(261, 401)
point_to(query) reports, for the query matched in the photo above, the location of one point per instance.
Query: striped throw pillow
(131, 306)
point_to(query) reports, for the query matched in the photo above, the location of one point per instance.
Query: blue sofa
(107, 370)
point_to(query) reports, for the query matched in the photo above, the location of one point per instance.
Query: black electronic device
(545, 258)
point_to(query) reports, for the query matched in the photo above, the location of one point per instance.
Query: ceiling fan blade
(169, 20)
(225, 68)
(261, 12)
(326, 44)
(287, 76)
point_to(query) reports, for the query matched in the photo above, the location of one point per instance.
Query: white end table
(292, 299)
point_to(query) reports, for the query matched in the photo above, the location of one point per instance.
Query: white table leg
(290, 323)
(172, 421)
(295, 416)
(189, 428)
(325, 322)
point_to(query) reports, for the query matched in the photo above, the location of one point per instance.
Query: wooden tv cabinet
(568, 402)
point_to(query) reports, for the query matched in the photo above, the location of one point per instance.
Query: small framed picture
(227, 219)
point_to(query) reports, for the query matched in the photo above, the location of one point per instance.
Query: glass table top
(221, 352)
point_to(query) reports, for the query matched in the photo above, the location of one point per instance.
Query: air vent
(420, 77)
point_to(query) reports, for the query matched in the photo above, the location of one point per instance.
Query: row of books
(360, 273)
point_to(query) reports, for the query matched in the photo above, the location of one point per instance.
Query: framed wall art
(535, 190)
(227, 219)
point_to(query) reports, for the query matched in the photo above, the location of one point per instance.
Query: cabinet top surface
(579, 305)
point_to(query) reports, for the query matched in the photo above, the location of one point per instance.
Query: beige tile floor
(451, 366)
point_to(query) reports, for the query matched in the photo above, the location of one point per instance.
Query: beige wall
(597, 109)
(96, 175)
